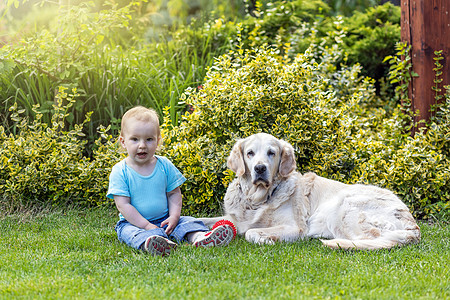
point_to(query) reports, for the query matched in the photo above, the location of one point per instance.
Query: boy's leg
(135, 236)
(187, 226)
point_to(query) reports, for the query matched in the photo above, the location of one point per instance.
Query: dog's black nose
(260, 169)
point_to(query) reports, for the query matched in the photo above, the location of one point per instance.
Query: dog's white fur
(269, 201)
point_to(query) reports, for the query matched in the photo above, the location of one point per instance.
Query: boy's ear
(159, 143)
(122, 141)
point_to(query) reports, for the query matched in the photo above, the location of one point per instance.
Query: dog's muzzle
(260, 174)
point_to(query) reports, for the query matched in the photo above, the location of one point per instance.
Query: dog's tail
(385, 241)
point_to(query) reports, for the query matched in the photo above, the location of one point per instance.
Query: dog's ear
(287, 162)
(236, 160)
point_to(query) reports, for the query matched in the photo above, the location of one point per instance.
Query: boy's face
(140, 139)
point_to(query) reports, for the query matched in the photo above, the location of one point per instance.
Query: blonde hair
(142, 114)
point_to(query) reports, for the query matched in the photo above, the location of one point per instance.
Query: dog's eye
(270, 153)
(250, 153)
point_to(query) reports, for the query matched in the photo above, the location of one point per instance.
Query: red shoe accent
(224, 222)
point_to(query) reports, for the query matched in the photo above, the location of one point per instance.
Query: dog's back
(360, 217)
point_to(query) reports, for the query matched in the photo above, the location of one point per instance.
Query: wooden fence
(426, 27)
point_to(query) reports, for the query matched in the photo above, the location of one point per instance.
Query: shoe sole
(159, 246)
(220, 236)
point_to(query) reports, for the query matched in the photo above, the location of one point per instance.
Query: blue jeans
(135, 236)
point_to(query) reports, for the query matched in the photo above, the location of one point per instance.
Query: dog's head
(262, 158)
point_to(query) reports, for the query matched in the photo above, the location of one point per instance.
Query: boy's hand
(150, 226)
(171, 223)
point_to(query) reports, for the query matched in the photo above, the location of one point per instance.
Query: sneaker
(159, 246)
(219, 236)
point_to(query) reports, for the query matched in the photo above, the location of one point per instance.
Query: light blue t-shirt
(147, 193)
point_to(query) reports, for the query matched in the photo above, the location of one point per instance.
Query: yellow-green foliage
(330, 115)
(44, 164)
(417, 168)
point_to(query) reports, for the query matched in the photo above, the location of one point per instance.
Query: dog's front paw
(259, 237)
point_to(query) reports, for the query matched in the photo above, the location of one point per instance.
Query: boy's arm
(175, 201)
(130, 213)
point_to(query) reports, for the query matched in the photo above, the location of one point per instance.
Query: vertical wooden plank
(421, 96)
(426, 27)
(405, 23)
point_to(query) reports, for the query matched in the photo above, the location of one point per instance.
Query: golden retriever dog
(269, 201)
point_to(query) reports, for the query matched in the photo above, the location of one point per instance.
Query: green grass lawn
(75, 254)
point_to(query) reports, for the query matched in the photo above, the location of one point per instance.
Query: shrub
(280, 21)
(371, 36)
(348, 7)
(43, 164)
(368, 37)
